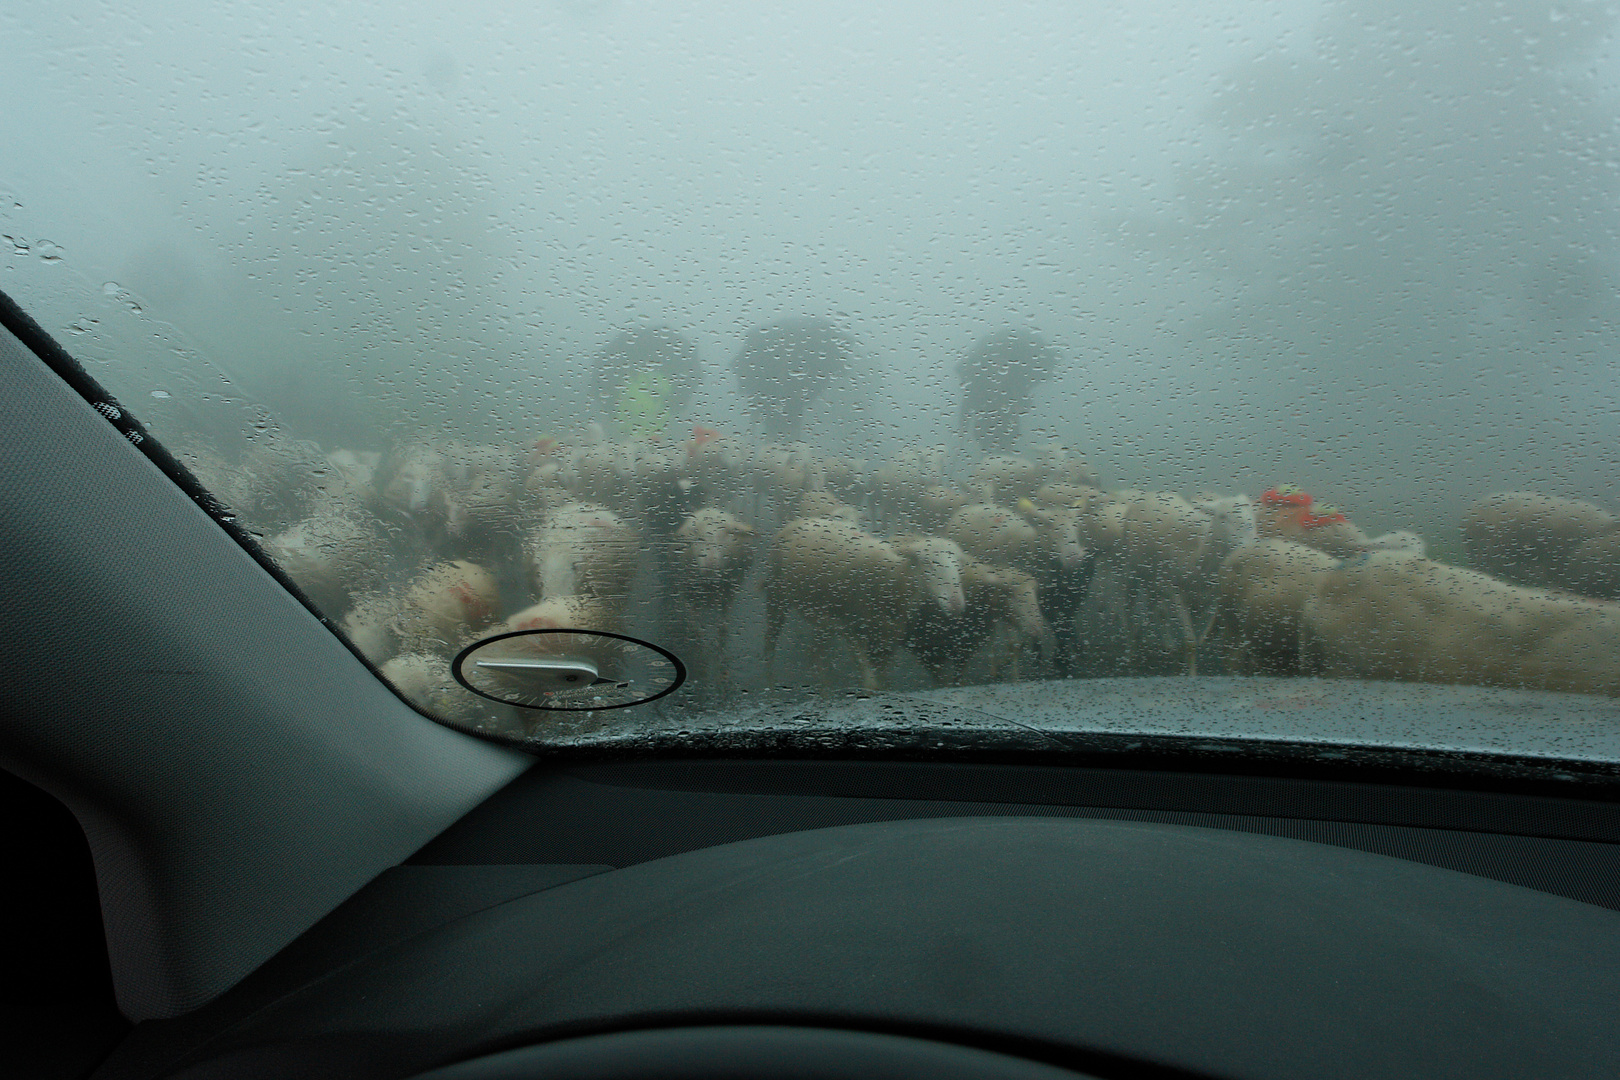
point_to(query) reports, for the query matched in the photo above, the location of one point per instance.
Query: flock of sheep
(998, 568)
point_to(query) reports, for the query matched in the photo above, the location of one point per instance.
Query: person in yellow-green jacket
(643, 410)
(643, 377)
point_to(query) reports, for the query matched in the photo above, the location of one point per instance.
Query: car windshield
(1053, 369)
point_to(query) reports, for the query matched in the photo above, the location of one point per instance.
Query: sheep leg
(1189, 638)
(1209, 624)
(1006, 654)
(1137, 614)
(775, 616)
(870, 679)
(821, 653)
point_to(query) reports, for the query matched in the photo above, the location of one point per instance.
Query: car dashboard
(1111, 922)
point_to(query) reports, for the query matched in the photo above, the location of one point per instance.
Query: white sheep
(1075, 496)
(582, 548)
(1100, 518)
(813, 504)
(433, 613)
(1391, 615)
(1594, 567)
(849, 478)
(849, 582)
(1263, 589)
(1540, 540)
(1005, 478)
(715, 463)
(1028, 538)
(354, 476)
(598, 472)
(425, 681)
(480, 487)
(998, 601)
(712, 552)
(925, 508)
(1041, 541)
(898, 484)
(279, 481)
(787, 469)
(417, 481)
(333, 555)
(1172, 552)
(1060, 465)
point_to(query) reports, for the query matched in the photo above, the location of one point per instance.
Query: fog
(1363, 246)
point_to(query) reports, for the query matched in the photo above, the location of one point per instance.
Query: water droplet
(19, 246)
(111, 288)
(161, 395)
(82, 326)
(49, 252)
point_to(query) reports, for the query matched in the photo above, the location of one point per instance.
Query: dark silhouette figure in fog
(788, 364)
(999, 376)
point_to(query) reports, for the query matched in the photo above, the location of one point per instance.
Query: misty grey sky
(438, 203)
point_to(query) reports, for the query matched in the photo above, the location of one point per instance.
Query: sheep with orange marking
(1287, 513)
(849, 583)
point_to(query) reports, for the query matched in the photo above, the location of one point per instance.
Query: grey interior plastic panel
(237, 771)
(397, 904)
(1214, 952)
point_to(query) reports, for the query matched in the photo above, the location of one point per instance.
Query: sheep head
(937, 563)
(1060, 529)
